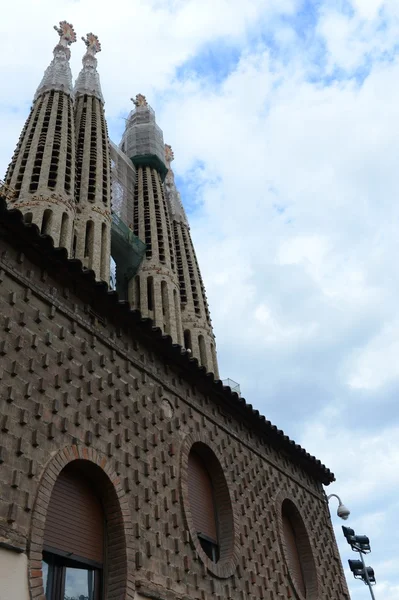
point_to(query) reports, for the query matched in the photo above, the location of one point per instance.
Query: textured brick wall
(74, 387)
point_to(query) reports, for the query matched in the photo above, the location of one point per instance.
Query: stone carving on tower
(42, 171)
(196, 322)
(92, 230)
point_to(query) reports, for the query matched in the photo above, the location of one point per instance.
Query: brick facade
(75, 384)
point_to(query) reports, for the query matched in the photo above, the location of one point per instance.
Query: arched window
(136, 298)
(64, 230)
(298, 551)
(165, 306)
(150, 293)
(187, 339)
(202, 505)
(103, 264)
(89, 242)
(74, 538)
(202, 349)
(47, 221)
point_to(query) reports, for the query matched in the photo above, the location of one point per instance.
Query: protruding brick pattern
(73, 385)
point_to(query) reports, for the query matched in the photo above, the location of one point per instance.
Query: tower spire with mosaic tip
(92, 233)
(41, 174)
(196, 321)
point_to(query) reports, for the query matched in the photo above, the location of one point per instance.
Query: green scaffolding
(127, 249)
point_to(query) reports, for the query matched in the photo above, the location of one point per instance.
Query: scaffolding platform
(127, 249)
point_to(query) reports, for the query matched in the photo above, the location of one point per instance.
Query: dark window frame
(57, 563)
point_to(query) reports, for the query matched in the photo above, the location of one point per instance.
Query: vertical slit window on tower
(47, 222)
(28, 217)
(202, 349)
(88, 249)
(150, 293)
(91, 194)
(55, 153)
(64, 230)
(74, 244)
(165, 306)
(103, 267)
(187, 339)
(82, 110)
(137, 300)
(42, 142)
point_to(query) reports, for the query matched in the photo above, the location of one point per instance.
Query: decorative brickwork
(73, 377)
(117, 513)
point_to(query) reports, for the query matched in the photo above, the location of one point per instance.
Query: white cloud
(291, 165)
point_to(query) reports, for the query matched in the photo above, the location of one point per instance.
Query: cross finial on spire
(92, 43)
(140, 100)
(169, 156)
(66, 33)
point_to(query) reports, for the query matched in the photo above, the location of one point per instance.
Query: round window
(208, 509)
(298, 551)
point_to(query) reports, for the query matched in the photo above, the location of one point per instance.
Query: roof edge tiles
(28, 236)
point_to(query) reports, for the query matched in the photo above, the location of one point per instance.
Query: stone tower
(196, 322)
(92, 231)
(155, 289)
(41, 175)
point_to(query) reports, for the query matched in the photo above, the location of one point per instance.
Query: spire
(58, 74)
(143, 140)
(172, 194)
(88, 81)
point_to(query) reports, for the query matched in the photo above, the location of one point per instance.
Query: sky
(283, 117)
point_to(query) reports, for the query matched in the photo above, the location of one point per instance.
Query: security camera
(343, 512)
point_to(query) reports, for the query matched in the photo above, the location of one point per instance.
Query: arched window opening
(89, 240)
(150, 293)
(298, 551)
(74, 538)
(203, 506)
(177, 316)
(28, 218)
(74, 244)
(187, 339)
(64, 230)
(165, 306)
(47, 221)
(137, 292)
(202, 349)
(103, 267)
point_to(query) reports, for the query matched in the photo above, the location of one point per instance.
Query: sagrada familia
(128, 470)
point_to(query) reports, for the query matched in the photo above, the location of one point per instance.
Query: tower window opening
(74, 244)
(187, 339)
(202, 349)
(165, 306)
(150, 293)
(104, 244)
(47, 222)
(28, 217)
(137, 301)
(89, 239)
(64, 230)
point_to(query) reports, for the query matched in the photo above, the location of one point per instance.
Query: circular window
(208, 508)
(298, 552)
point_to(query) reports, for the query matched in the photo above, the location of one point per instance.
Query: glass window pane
(79, 584)
(45, 577)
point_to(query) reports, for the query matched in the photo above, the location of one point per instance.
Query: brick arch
(228, 561)
(304, 532)
(116, 508)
